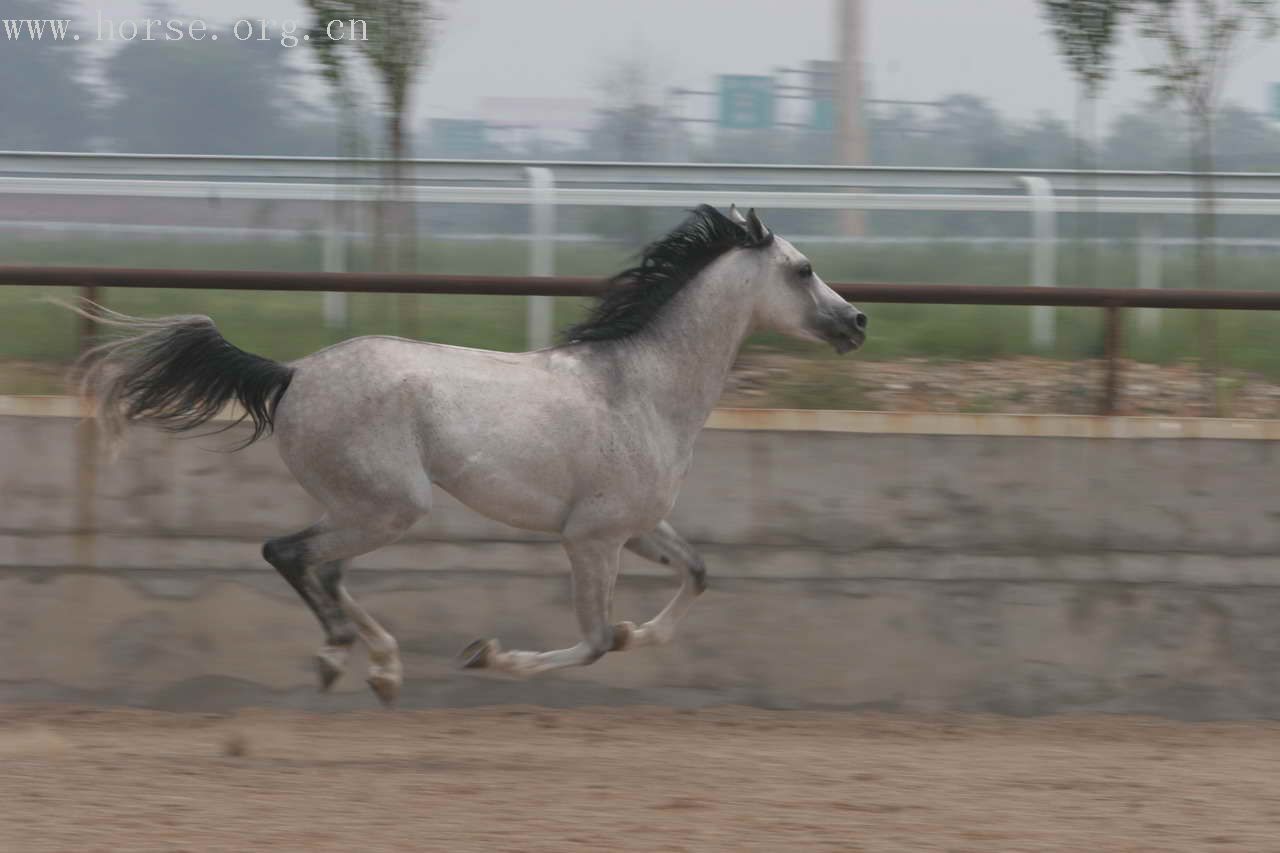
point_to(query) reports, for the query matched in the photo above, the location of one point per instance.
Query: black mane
(636, 295)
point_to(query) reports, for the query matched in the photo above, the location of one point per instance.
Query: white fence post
(541, 253)
(334, 259)
(1149, 262)
(1043, 257)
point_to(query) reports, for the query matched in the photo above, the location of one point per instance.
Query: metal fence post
(1111, 393)
(542, 210)
(1043, 257)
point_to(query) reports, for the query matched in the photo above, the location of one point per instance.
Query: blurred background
(908, 88)
(899, 570)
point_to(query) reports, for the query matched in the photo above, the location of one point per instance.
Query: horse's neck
(691, 346)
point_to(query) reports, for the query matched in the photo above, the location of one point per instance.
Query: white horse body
(516, 437)
(590, 440)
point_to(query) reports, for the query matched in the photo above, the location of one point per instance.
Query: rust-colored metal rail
(367, 282)
(1113, 300)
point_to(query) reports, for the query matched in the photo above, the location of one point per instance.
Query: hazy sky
(917, 49)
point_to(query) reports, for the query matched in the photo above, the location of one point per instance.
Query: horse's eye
(805, 270)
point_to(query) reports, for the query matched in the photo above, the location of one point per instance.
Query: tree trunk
(395, 134)
(401, 216)
(1077, 256)
(1206, 267)
(380, 213)
(1090, 277)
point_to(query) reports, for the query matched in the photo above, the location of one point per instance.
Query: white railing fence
(543, 186)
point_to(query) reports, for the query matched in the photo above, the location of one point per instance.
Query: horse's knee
(691, 561)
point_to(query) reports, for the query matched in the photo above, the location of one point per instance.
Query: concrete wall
(922, 562)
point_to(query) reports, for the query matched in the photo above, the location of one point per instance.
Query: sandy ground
(74, 779)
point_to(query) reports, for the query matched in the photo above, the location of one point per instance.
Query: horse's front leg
(594, 563)
(669, 548)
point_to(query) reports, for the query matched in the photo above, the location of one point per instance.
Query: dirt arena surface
(531, 779)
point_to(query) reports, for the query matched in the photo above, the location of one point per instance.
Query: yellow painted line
(877, 423)
(948, 423)
(40, 407)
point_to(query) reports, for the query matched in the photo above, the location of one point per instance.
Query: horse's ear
(736, 215)
(759, 234)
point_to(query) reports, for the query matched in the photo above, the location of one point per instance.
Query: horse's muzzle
(845, 330)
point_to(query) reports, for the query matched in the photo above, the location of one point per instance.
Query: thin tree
(631, 128)
(1085, 31)
(335, 74)
(398, 35)
(1198, 40)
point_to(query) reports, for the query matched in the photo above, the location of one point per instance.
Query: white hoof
(386, 686)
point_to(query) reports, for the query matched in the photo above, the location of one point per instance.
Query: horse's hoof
(330, 664)
(386, 688)
(478, 655)
(622, 632)
(327, 672)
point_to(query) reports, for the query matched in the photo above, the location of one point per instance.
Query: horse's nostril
(860, 320)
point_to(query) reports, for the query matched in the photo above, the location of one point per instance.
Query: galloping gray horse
(589, 440)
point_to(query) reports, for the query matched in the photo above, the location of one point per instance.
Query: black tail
(177, 373)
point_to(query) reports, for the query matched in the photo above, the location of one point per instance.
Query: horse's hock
(1010, 564)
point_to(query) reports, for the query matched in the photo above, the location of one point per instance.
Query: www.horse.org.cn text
(285, 33)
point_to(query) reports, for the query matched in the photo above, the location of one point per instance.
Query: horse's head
(791, 298)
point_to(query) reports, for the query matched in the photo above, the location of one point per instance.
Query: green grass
(287, 325)
(290, 325)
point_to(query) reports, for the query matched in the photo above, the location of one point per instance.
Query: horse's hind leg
(331, 660)
(316, 555)
(667, 547)
(595, 567)
(287, 555)
(385, 670)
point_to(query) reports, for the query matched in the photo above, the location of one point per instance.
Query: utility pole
(850, 94)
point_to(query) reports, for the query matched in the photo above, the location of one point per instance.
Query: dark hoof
(698, 571)
(387, 689)
(700, 581)
(478, 655)
(327, 671)
(622, 632)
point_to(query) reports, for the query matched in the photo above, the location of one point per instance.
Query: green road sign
(1275, 101)
(746, 101)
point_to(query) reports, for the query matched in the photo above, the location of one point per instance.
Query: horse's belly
(512, 497)
(545, 497)
(544, 516)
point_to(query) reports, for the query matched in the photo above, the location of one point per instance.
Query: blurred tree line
(249, 97)
(231, 97)
(199, 97)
